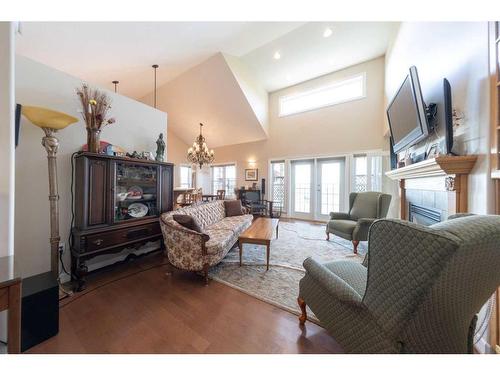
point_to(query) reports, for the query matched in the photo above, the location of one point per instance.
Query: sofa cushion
(365, 205)
(345, 226)
(188, 221)
(220, 241)
(206, 214)
(233, 207)
(236, 224)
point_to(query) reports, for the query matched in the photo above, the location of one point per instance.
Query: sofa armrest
(339, 216)
(177, 227)
(362, 228)
(332, 284)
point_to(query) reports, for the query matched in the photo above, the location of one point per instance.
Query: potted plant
(95, 107)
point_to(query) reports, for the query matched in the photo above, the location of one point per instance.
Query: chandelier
(199, 153)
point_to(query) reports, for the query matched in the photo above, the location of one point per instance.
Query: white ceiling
(195, 82)
(209, 93)
(306, 53)
(100, 52)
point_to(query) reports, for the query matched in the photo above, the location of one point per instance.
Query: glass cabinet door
(136, 191)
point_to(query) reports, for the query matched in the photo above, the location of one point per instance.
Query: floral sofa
(193, 251)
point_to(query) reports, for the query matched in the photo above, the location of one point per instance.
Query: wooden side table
(10, 299)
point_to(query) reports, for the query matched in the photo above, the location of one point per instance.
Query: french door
(330, 187)
(317, 187)
(302, 178)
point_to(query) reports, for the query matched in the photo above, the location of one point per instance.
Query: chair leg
(327, 236)
(205, 273)
(355, 243)
(303, 316)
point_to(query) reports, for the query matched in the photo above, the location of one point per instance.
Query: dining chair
(221, 194)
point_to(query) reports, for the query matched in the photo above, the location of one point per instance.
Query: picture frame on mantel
(251, 174)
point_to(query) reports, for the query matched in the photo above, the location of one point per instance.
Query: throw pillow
(233, 208)
(188, 221)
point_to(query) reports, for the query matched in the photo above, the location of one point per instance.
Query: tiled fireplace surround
(436, 200)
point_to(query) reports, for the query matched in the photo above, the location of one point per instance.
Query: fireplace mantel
(443, 173)
(440, 166)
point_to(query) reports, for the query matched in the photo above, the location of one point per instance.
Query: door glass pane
(230, 182)
(217, 179)
(224, 178)
(135, 191)
(185, 177)
(330, 187)
(278, 184)
(302, 188)
(360, 173)
(376, 173)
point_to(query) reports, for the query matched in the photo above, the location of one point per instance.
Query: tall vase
(93, 140)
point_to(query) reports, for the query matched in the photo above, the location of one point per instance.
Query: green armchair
(418, 290)
(364, 209)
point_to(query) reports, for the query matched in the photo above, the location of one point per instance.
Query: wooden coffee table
(260, 233)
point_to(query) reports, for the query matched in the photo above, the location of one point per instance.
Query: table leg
(240, 245)
(277, 227)
(268, 248)
(14, 319)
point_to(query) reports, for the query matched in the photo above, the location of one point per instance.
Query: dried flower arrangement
(95, 107)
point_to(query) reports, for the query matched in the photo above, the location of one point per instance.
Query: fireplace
(423, 215)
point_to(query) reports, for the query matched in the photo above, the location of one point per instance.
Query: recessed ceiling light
(277, 55)
(328, 32)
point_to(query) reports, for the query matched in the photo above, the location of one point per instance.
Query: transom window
(334, 93)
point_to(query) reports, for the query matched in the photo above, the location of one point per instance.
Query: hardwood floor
(155, 311)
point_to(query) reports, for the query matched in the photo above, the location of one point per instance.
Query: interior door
(302, 177)
(330, 187)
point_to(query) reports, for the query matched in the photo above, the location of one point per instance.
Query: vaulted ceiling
(101, 52)
(218, 73)
(211, 93)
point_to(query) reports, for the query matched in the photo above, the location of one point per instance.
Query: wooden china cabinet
(118, 202)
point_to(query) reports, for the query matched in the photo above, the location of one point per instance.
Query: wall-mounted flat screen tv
(407, 115)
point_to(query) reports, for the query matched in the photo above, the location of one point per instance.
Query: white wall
(459, 52)
(7, 105)
(177, 151)
(137, 128)
(351, 127)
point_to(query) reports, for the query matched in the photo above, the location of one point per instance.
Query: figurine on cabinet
(160, 150)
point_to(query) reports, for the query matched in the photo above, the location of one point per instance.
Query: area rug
(280, 285)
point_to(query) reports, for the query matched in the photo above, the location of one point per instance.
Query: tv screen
(406, 114)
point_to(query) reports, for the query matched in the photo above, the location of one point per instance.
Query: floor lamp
(51, 121)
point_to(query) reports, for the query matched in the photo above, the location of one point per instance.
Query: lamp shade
(47, 118)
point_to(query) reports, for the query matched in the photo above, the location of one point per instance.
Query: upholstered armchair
(418, 290)
(364, 209)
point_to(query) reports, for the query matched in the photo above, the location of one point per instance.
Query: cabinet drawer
(120, 236)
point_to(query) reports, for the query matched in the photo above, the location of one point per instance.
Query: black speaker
(448, 117)
(18, 122)
(263, 187)
(394, 156)
(39, 309)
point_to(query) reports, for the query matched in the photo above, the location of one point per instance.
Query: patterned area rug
(280, 285)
